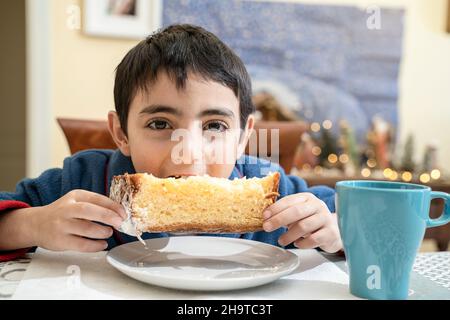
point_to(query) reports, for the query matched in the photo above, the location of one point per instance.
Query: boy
(175, 79)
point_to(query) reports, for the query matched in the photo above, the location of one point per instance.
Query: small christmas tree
(380, 144)
(430, 158)
(328, 145)
(350, 148)
(407, 159)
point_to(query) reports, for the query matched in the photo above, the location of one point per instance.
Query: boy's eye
(159, 125)
(216, 126)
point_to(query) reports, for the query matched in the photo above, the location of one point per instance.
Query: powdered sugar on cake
(120, 193)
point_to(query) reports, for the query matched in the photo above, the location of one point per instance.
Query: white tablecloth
(71, 275)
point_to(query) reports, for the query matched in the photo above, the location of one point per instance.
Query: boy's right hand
(67, 223)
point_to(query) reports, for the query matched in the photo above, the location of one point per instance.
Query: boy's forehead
(197, 91)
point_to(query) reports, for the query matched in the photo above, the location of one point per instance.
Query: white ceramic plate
(203, 263)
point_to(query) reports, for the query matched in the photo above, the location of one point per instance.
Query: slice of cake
(199, 204)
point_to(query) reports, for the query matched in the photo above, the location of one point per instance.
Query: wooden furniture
(86, 134)
(440, 234)
(289, 132)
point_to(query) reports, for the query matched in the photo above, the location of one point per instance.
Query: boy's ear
(117, 133)
(249, 126)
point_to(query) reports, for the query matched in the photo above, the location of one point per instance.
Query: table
(71, 275)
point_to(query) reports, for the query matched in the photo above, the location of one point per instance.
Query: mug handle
(445, 217)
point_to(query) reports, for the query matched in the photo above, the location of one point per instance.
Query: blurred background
(358, 89)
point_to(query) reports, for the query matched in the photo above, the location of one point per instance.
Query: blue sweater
(92, 170)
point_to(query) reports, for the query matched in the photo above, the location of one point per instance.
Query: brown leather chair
(86, 134)
(290, 133)
(93, 134)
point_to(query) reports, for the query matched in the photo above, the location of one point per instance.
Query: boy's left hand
(310, 224)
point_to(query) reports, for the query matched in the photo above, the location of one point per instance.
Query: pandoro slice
(198, 204)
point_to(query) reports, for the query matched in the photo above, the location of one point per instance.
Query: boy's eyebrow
(218, 112)
(160, 108)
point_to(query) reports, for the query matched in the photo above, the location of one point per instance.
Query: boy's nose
(194, 150)
(192, 146)
(195, 143)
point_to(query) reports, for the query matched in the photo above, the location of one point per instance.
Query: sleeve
(85, 170)
(12, 205)
(30, 193)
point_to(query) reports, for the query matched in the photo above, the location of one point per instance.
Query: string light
(343, 158)
(332, 158)
(387, 172)
(424, 178)
(366, 172)
(394, 175)
(406, 176)
(315, 127)
(318, 169)
(435, 174)
(371, 163)
(327, 124)
(306, 167)
(316, 151)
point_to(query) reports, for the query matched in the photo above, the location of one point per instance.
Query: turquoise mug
(382, 225)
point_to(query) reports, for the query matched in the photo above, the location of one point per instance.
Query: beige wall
(425, 79)
(82, 74)
(83, 70)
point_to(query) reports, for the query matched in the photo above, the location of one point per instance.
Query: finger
(89, 229)
(290, 215)
(332, 247)
(92, 212)
(75, 243)
(302, 228)
(100, 200)
(314, 240)
(285, 203)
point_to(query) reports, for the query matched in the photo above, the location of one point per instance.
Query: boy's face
(182, 132)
